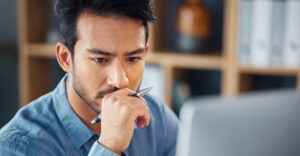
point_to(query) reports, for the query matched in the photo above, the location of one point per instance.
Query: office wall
(8, 60)
(8, 20)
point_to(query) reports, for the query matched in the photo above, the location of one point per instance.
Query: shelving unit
(268, 71)
(35, 53)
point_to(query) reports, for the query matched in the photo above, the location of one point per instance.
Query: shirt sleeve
(98, 149)
(14, 148)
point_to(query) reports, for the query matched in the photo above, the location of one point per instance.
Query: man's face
(109, 54)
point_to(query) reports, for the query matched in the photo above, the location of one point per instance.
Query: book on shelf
(269, 33)
(278, 16)
(261, 33)
(292, 34)
(244, 32)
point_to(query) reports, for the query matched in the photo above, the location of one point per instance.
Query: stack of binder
(269, 33)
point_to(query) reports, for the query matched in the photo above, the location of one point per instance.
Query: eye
(100, 60)
(133, 59)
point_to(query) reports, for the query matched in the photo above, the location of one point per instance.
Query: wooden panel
(34, 78)
(245, 84)
(22, 19)
(269, 71)
(23, 61)
(179, 73)
(151, 37)
(168, 82)
(186, 61)
(175, 59)
(230, 77)
(42, 50)
(23, 78)
(37, 20)
(158, 35)
(39, 77)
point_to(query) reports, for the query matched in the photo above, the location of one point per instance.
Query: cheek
(135, 75)
(91, 75)
(82, 69)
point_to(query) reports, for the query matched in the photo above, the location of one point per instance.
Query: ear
(146, 49)
(64, 57)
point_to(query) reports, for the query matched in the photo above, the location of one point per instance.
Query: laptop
(253, 124)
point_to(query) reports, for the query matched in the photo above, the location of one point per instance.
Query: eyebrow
(102, 52)
(138, 51)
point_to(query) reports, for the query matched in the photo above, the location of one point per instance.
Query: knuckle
(113, 99)
(104, 102)
(147, 109)
(119, 104)
(141, 102)
(125, 109)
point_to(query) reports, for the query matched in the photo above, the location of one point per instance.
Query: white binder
(278, 22)
(245, 32)
(292, 34)
(261, 33)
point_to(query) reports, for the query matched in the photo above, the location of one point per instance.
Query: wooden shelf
(269, 71)
(41, 50)
(194, 61)
(161, 58)
(34, 54)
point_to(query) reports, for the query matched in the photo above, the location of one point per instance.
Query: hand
(119, 111)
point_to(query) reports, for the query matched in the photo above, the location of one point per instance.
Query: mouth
(101, 94)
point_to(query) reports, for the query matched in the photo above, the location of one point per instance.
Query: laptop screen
(257, 124)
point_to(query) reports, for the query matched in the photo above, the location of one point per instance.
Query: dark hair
(68, 11)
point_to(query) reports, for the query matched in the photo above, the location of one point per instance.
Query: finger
(138, 108)
(143, 122)
(141, 98)
(143, 112)
(140, 122)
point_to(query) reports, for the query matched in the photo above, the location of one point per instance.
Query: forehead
(110, 33)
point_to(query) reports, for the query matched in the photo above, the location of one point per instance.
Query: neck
(83, 111)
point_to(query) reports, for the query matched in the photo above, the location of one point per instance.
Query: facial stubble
(82, 93)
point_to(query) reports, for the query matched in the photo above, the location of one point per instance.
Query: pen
(138, 94)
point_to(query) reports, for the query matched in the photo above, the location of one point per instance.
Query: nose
(117, 76)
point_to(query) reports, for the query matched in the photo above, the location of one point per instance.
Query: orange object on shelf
(194, 19)
(194, 27)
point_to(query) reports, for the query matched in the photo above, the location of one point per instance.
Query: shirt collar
(77, 131)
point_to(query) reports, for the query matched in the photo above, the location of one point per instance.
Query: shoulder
(17, 142)
(30, 121)
(36, 108)
(14, 142)
(37, 115)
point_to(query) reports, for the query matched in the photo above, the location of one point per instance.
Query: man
(103, 52)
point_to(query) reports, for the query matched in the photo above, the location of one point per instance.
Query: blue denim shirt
(49, 126)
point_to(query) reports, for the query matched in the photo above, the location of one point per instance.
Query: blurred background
(9, 96)
(198, 48)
